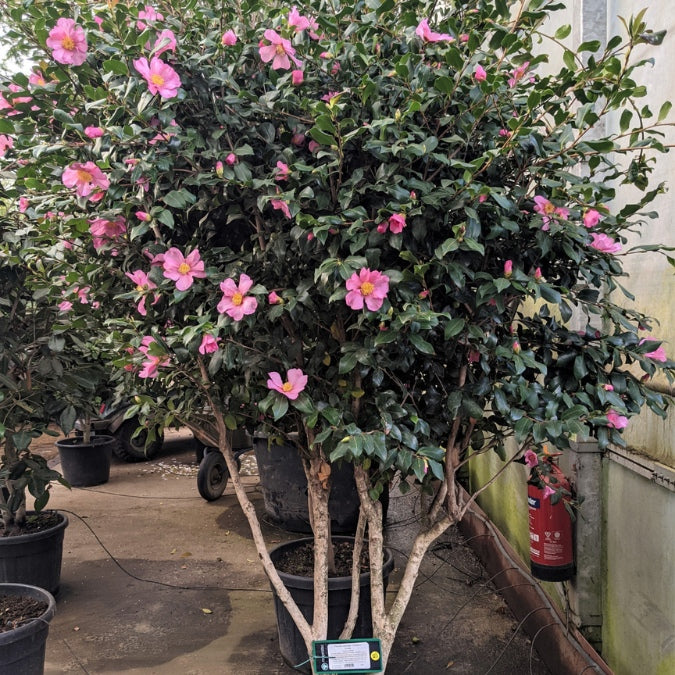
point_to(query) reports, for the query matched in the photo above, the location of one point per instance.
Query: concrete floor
(157, 580)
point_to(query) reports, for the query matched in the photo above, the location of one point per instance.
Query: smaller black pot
(85, 464)
(34, 558)
(22, 650)
(291, 644)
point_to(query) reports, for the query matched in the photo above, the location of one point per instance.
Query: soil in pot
(35, 522)
(299, 561)
(17, 610)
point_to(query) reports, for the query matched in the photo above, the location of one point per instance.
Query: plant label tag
(335, 657)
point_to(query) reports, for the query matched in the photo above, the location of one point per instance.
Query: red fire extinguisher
(551, 548)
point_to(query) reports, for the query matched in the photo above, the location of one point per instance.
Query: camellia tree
(375, 226)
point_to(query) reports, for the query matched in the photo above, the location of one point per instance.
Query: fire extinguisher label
(550, 531)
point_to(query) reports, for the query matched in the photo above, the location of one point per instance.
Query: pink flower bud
(608, 387)
(93, 132)
(516, 347)
(479, 73)
(537, 274)
(508, 268)
(219, 169)
(142, 215)
(229, 38)
(231, 159)
(274, 299)
(298, 140)
(297, 77)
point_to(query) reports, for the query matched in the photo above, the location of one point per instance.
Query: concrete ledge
(560, 645)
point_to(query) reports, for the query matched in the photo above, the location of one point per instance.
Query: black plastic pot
(34, 558)
(22, 650)
(291, 644)
(284, 488)
(85, 464)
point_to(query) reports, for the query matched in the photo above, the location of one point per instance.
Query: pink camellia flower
(209, 344)
(149, 14)
(65, 306)
(429, 35)
(231, 159)
(397, 223)
(508, 268)
(37, 79)
(479, 73)
(616, 421)
(98, 21)
(656, 355)
(274, 299)
(68, 43)
(531, 458)
(183, 270)
(548, 492)
(143, 285)
(162, 79)
(367, 286)
(297, 77)
(280, 51)
(548, 211)
(300, 22)
(229, 38)
(281, 205)
(282, 172)
(464, 37)
(85, 178)
(93, 132)
(152, 364)
(295, 383)
(165, 42)
(104, 231)
(235, 303)
(591, 218)
(517, 74)
(6, 143)
(23, 204)
(604, 244)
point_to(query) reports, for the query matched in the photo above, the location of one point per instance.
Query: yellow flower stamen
(157, 79)
(83, 176)
(280, 49)
(183, 268)
(367, 288)
(287, 386)
(68, 43)
(237, 299)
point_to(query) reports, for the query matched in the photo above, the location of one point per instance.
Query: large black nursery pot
(22, 649)
(291, 644)
(34, 558)
(86, 464)
(284, 488)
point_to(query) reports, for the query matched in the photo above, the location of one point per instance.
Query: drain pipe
(560, 645)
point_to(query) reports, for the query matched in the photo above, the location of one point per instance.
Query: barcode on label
(349, 665)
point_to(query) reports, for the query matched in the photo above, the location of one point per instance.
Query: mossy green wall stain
(505, 501)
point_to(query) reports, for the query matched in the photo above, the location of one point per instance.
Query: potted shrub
(363, 226)
(32, 541)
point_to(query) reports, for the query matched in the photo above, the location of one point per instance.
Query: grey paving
(156, 580)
